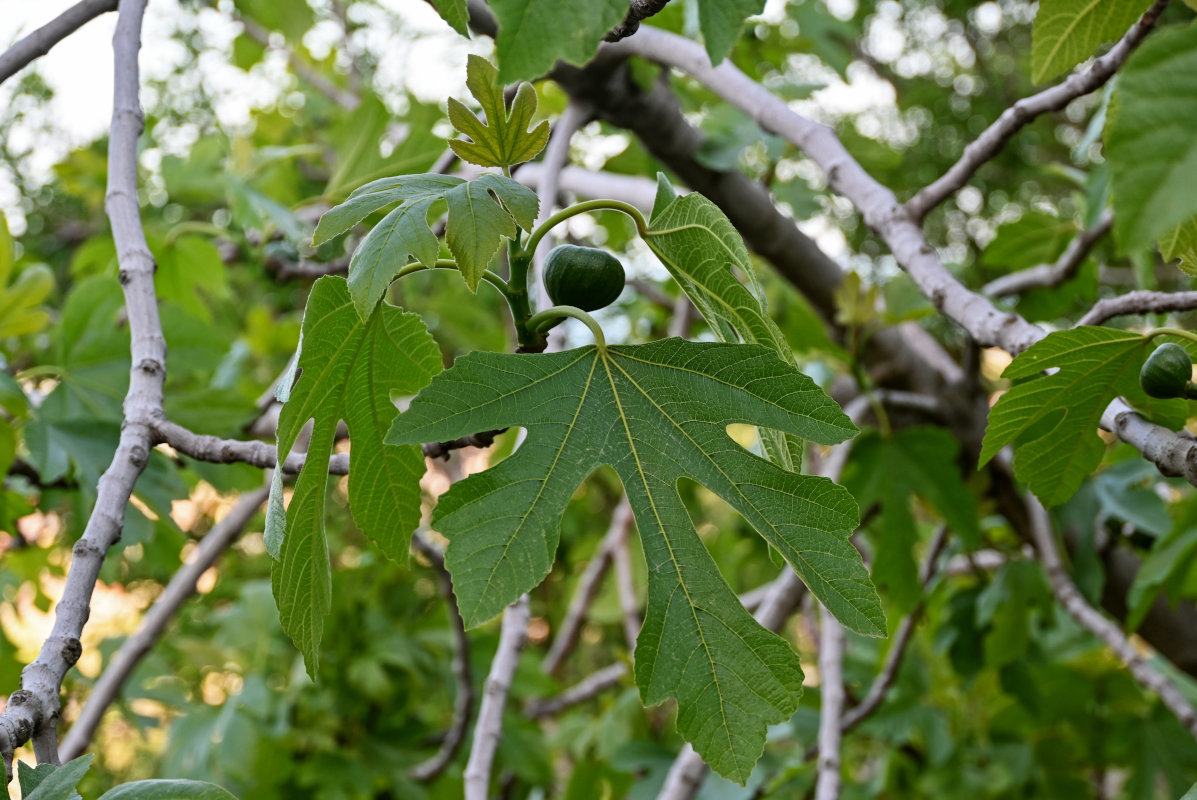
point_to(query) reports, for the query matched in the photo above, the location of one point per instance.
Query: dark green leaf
(534, 34)
(656, 413)
(348, 370)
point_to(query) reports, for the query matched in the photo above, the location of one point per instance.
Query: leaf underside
(1052, 420)
(348, 370)
(657, 413)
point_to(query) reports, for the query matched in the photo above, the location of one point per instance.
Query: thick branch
(638, 10)
(177, 591)
(993, 138)
(463, 703)
(1100, 626)
(1142, 302)
(489, 728)
(39, 42)
(32, 712)
(1048, 275)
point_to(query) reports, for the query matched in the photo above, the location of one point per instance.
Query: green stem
(537, 320)
(40, 371)
(582, 208)
(447, 263)
(195, 226)
(1192, 337)
(520, 261)
(1191, 391)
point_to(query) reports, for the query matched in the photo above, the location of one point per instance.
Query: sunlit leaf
(503, 139)
(1066, 32)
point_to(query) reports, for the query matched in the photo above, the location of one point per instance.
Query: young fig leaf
(504, 138)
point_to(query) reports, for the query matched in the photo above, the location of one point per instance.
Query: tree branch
(1048, 275)
(32, 711)
(177, 591)
(1096, 623)
(489, 728)
(987, 325)
(638, 10)
(1142, 302)
(39, 42)
(591, 686)
(464, 701)
(993, 138)
(831, 704)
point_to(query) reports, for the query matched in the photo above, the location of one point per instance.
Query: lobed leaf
(535, 34)
(657, 413)
(1151, 138)
(348, 369)
(504, 138)
(481, 213)
(721, 22)
(1052, 420)
(1066, 32)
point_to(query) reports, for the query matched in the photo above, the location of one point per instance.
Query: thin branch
(588, 586)
(831, 704)
(1048, 275)
(153, 625)
(32, 711)
(556, 156)
(443, 449)
(1098, 624)
(638, 10)
(625, 587)
(38, 43)
(489, 728)
(1172, 454)
(319, 81)
(463, 703)
(1142, 302)
(905, 632)
(589, 687)
(993, 138)
(216, 450)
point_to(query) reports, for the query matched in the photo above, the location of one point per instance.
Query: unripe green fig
(583, 277)
(1166, 372)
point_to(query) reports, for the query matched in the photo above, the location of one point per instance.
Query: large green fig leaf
(657, 413)
(348, 370)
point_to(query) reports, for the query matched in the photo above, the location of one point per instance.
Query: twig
(591, 686)
(905, 632)
(993, 138)
(1096, 623)
(1048, 275)
(177, 591)
(831, 693)
(625, 587)
(638, 10)
(32, 712)
(588, 586)
(489, 728)
(216, 450)
(463, 703)
(1142, 302)
(556, 156)
(346, 100)
(39, 42)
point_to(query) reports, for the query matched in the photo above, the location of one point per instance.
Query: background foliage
(1000, 693)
